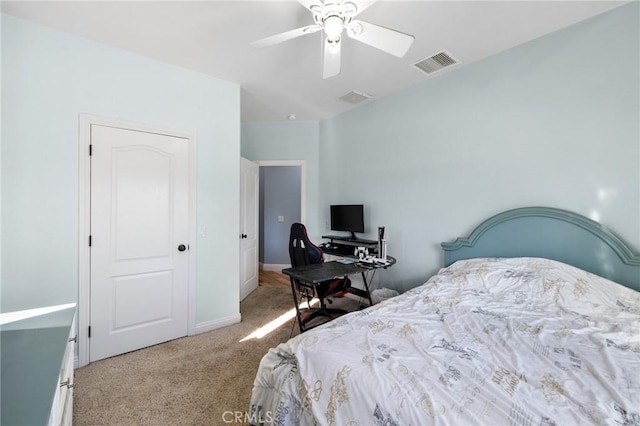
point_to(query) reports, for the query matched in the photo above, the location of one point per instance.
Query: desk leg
(295, 303)
(366, 287)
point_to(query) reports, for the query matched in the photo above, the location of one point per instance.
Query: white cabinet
(62, 408)
(37, 360)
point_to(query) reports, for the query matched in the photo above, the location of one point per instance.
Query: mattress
(523, 341)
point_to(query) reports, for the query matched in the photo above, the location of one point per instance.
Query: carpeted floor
(188, 381)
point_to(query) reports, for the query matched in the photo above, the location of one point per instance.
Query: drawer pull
(67, 383)
(73, 339)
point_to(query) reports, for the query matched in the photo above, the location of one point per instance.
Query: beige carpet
(188, 381)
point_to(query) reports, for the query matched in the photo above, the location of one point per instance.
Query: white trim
(354, 297)
(303, 180)
(219, 323)
(273, 267)
(84, 227)
(193, 235)
(84, 221)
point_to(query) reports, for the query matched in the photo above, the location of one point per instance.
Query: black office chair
(303, 252)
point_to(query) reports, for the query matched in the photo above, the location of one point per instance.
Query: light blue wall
(554, 122)
(279, 196)
(298, 140)
(48, 78)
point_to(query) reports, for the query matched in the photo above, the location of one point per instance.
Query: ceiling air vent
(436, 62)
(355, 97)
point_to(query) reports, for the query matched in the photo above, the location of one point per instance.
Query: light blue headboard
(553, 234)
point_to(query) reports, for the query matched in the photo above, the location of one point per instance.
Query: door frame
(303, 189)
(84, 222)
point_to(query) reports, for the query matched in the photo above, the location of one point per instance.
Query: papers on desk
(346, 261)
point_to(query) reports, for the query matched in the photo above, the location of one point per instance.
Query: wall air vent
(355, 97)
(436, 62)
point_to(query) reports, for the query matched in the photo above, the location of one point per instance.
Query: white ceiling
(213, 37)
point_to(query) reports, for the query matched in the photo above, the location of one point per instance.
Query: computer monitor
(347, 217)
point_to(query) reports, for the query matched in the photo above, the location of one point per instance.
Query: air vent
(436, 62)
(355, 97)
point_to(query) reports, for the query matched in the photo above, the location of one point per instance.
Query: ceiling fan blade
(310, 3)
(361, 5)
(390, 41)
(330, 58)
(288, 35)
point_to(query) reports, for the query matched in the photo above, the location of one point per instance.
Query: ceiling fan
(334, 17)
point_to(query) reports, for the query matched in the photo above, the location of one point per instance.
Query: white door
(139, 240)
(249, 175)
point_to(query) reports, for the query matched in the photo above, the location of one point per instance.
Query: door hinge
(89, 332)
(90, 150)
(89, 240)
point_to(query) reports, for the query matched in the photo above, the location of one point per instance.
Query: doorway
(282, 202)
(136, 244)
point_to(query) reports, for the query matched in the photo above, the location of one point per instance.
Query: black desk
(345, 246)
(321, 272)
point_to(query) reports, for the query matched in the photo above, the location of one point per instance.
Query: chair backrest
(301, 250)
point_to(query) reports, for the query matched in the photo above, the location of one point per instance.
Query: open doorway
(282, 202)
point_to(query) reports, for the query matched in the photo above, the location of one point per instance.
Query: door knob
(244, 235)
(182, 247)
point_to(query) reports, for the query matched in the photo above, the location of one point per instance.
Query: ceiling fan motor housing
(334, 17)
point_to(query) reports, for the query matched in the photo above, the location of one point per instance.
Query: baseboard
(273, 267)
(352, 296)
(219, 323)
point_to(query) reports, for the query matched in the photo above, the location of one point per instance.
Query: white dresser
(37, 369)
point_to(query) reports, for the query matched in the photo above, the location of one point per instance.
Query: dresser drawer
(62, 409)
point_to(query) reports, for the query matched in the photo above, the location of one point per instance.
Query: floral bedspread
(523, 341)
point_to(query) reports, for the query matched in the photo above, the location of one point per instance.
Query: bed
(533, 320)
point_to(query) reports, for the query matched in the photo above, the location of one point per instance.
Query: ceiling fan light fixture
(333, 26)
(350, 8)
(332, 44)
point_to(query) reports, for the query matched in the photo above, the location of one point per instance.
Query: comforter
(523, 341)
